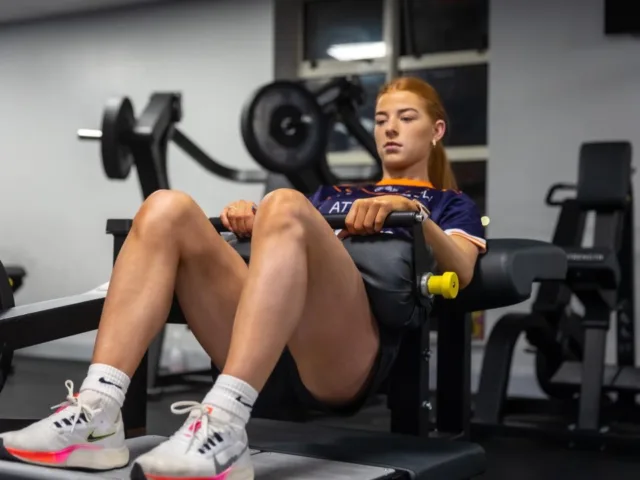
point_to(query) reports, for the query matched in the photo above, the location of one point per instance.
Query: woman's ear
(439, 129)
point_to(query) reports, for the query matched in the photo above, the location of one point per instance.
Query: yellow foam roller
(446, 285)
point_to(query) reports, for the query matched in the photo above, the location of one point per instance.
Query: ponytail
(439, 169)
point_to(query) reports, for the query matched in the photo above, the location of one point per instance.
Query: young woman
(311, 292)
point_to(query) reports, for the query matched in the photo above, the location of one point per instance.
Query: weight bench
(285, 450)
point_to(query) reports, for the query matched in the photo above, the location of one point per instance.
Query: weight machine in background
(285, 128)
(588, 402)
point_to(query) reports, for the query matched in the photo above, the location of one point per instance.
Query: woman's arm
(453, 253)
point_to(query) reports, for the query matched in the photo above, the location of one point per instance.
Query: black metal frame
(16, 275)
(574, 376)
(26, 326)
(6, 301)
(6, 292)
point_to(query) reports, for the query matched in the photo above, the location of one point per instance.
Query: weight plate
(117, 126)
(284, 128)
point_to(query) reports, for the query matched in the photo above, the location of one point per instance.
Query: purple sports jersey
(453, 211)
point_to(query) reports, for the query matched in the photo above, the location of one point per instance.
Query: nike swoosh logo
(221, 467)
(107, 382)
(94, 438)
(248, 405)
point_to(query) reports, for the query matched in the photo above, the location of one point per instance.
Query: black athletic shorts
(386, 265)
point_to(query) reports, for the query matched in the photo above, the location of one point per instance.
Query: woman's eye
(407, 119)
(379, 122)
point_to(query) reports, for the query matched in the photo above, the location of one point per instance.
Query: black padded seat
(418, 458)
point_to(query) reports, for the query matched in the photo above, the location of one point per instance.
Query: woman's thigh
(336, 344)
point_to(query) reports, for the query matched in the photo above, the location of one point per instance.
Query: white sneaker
(80, 434)
(210, 445)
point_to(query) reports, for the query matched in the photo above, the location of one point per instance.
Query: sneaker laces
(199, 424)
(78, 406)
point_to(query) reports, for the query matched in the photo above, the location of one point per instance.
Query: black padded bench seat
(505, 275)
(292, 451)
(418, 458)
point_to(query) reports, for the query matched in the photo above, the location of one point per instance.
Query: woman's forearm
(447, 253)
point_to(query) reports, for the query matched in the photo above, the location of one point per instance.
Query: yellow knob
(11, 282)
(446, 285)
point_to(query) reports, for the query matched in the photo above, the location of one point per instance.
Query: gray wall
(11, 11)
(56, 77)
(555, 81)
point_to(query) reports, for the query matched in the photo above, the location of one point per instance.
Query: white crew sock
(109, 382)
(232, 395)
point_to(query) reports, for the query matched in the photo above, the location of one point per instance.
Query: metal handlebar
(336, 221)
(549, 200)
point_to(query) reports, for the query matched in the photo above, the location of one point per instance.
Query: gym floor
(39, 384)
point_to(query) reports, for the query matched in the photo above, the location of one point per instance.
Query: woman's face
(404, 132)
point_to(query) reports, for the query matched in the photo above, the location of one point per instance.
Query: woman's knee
(283, 209)
(164, 213)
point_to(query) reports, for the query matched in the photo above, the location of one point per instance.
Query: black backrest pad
(604, 175)
(505, 274)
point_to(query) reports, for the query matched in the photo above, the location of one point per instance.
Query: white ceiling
(15, 10)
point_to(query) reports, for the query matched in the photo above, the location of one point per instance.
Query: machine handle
(336, 221)
(556, 188)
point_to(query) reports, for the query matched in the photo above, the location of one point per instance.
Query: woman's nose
(392, 128)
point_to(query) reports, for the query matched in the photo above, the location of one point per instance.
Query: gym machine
(127, 141)
(588, 402)
(416, 447)
(283, 109)
(297, 121)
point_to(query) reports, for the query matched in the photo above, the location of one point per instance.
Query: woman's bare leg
(303, 290)
(171, 247)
